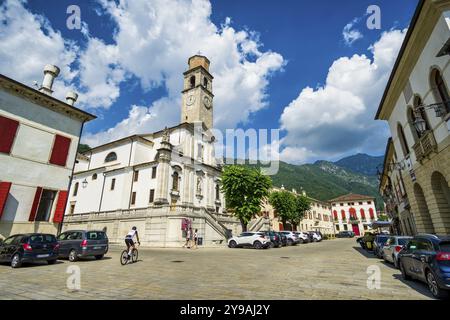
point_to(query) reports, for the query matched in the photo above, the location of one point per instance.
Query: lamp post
(419, 122)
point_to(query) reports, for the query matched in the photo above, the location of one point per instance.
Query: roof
(43, 99)
(351, 197)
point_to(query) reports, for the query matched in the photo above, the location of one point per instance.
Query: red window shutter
(343, 214)
(335, 215)
(363, 214)
(8, 129)
(34, 207)
(352, 212)
(4, 192)
(372, 216)
(60, 151)
(60, 207)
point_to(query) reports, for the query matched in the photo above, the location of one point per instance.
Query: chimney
(50, 73)
(71, 97)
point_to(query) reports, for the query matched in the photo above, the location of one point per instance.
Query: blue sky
(282, 64)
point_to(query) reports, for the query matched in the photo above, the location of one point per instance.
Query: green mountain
(361, 163)
(326, 180)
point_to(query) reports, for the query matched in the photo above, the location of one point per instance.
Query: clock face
(190, 100)
(207, 101)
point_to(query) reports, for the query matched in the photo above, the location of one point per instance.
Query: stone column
(187, 186)
(163, 172)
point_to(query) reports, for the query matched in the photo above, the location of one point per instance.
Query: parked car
(378, 244)
(315, 236)
(27, 248)
(283, 239)
(392, 247)
(77, 244)
(346, 234)
(275, 239)
(302, 237)
(427, 258)
(257, 240)
(292, 238)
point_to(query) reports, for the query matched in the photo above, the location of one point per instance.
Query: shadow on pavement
(417, 285)
(365, 253)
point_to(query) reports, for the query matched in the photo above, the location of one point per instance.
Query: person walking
(195, 239)
(188, 239)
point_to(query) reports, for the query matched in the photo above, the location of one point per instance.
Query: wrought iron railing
(425, 146)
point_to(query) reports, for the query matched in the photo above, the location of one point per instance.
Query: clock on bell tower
(197, 96)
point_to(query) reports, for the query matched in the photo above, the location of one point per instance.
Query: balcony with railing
(425, 146)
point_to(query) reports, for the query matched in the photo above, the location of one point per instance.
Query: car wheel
(301, 241)
(16, 261)
(99, 257)
(290, 242)
(232, 244)
(51, 261)
(405, 276)
(434, 287)
(257, 245)
(73, 255)
(315, 240)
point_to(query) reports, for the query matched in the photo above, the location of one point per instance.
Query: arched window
(402, 138)
(335, 215)
(94, 176)
(411, 119)
(440, 89)
(175, 178)
(205, 82)
(343, 214)
(417, 103)
(363, 214)
(75, 189)
(112, 156)
(192, 81)
(352, 212)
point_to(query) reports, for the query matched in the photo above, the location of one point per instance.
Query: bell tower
(197, 96)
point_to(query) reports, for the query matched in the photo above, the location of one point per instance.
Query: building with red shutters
(39, 137)
(353, 212)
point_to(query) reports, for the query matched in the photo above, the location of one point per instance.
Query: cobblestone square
(334, 269)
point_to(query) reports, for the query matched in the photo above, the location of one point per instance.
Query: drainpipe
(132, 175)
(103, 189)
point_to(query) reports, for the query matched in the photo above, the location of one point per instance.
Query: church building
(161, 182)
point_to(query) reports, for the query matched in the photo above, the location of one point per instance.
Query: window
(152, 196)
(8, 129)
(136, 176)
(337, 227)
(75, 189)
(343, 214)
(133, 198)
(72, 208)
(205, 82)
(113, 183)
(369, 202)
(363, 214)
(45, 205)
(153, 172)
(95, 235)
(360, 203)
(60, 151)
(217, 192)
(112, 156)
(345, 227)
(94, 176)
(402, 138)
(441, 89)
(341, 204)
(335, 215)
(371, 213)
(175, 178)
(4, 193)
(217, 209)
(192, 81)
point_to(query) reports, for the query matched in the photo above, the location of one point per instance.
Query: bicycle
(124, 259)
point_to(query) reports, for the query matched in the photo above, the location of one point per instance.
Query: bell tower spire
(197, 96)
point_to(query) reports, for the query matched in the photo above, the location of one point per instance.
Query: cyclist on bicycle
(129, 240)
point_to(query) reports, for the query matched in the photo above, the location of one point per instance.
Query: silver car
(292, 238)
(392, 247)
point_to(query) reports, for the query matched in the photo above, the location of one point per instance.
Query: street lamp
(84, 183)
(419, 122)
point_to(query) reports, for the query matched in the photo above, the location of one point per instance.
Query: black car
(77, 244)
(31, 247)
(275, 239)
(284, 240)
(427, 258)
(346, 234)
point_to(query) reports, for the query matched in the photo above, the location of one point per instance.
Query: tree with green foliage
(244, 189)
(83, 148)
(285, 204)
(383, 217)
(302, 206)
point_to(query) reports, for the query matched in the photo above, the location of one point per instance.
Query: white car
(303, 237)
(256, 240)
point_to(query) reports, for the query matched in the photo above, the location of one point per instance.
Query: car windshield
(93, 235)
(382, 239)
(444, 246)
(42, 238)
(403, 241)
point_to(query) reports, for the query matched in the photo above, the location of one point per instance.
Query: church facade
(159, 182)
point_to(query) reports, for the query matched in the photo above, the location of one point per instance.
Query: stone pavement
(334, 269)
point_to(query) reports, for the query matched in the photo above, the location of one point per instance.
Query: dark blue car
(427, 258)
(32, 247)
